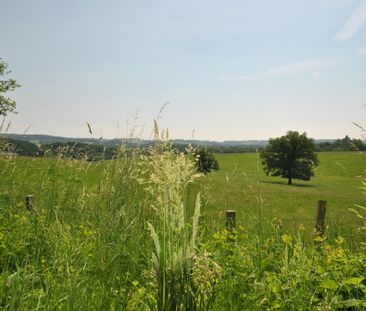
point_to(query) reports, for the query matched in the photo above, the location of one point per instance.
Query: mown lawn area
(242, 185)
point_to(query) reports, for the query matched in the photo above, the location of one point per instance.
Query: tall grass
(126, 234)
(174, 232)
(85, 242)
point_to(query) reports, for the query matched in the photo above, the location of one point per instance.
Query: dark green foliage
(292, 156)
(234, 149)
(85, 151)
(7, 105)
(23, 148)
(180, 145)
(205, 161)
(344, 144)
(221, 149)
(90, 152)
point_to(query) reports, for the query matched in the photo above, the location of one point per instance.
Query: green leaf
(155, 238)
(276, 305)
(354, 281)
(329, 284)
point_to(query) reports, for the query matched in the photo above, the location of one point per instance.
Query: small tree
(7, 105)
(292, 156)
(205, 161)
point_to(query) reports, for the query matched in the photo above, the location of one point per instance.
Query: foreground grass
(125, 235)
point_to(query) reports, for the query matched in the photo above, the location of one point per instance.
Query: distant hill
(96, 149)
(49, 139)
(40, 139)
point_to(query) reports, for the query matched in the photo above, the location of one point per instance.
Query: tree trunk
(289, 181)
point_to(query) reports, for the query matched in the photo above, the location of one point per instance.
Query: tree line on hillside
(345, 144)
(219, 149)
(80, 151)
(19, 147)
(89, 152)
(93, 152)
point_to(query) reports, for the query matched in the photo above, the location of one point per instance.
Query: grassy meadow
(147, 232)
(242, 185)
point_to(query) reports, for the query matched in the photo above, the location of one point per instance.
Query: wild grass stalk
(174, 230)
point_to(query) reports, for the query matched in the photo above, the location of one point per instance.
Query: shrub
(205, 161)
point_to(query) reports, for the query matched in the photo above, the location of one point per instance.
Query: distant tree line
(344, 144)
(220, 149)
(89, 152)
(19, 147)
(95, 152)
(81, 151)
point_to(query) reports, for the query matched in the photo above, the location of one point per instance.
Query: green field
(127, 235)
(241, 184)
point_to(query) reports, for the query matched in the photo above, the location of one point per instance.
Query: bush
(205, 161)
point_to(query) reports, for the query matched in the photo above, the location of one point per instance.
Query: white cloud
(315, 75)
(238, 77)
(312, 67)
(361, 51)
(354, 23)
(309, 66)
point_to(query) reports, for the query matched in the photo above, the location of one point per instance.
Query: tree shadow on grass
(286, 184)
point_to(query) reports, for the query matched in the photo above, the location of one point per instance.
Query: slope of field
(241, 184)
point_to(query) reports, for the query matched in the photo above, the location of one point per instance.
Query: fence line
(319, 218)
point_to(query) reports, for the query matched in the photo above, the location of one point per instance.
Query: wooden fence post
(230, 219)
(320, 218)
(29, 202)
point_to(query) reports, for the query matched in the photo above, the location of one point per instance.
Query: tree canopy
(205, 161)
(344, 144)
(7, 105)
(291, 156)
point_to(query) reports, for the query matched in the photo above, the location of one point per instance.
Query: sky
(223, 70)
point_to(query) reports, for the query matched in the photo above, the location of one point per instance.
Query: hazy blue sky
(234, 69)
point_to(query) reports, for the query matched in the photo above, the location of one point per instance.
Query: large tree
(7, 105)
(291, 156)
